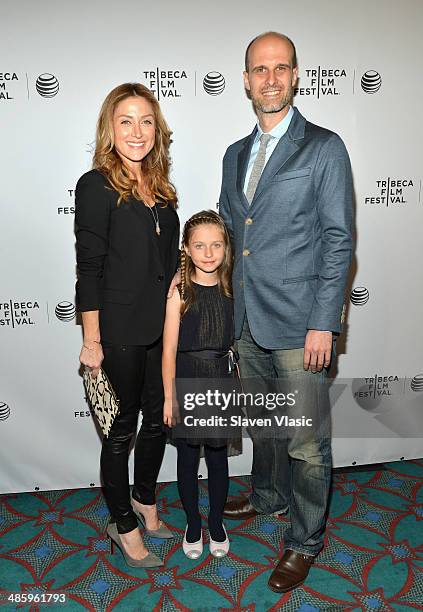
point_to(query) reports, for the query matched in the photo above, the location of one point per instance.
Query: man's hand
(317, 350)
(175, 281)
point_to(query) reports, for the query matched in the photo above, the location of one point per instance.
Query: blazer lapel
(242, 165)
(285, 149)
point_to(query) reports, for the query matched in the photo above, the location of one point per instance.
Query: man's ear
(246, 80)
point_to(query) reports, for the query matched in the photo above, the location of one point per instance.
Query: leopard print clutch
(102, 399)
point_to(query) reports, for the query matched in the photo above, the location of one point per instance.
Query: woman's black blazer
(123, 268)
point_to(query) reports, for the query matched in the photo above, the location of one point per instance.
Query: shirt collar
(279, 129)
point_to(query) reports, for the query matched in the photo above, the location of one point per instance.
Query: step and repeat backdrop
(360, 66)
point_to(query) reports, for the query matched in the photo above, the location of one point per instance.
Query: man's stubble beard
(273, 107)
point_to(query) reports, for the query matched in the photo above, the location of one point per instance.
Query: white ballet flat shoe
(193, 550)
(219, 549)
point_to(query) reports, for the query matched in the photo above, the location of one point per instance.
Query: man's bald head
(271, 35)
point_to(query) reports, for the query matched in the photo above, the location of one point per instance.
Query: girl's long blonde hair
(224, 273)
(155, 166)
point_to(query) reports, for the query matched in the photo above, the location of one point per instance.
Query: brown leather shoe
(239, 509)
(290, 572)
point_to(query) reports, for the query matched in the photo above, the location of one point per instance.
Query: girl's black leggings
(218, 479)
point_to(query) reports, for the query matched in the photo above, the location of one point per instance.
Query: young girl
(198, 334)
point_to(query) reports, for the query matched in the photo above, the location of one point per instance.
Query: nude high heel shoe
(151, 560)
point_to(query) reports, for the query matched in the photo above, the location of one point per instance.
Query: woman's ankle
(133, 539)
(146, 507)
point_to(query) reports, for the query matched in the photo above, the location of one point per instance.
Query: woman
(127, 234)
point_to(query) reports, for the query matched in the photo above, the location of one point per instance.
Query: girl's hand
(170, 413)
(168, 418)
(92, 356)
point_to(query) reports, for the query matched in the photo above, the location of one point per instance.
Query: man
(287, 200)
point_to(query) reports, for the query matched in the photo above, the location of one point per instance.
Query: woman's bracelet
(90, 348)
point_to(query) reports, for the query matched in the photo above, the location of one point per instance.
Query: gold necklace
(154, 212)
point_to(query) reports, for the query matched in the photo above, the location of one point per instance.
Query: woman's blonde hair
(155, 166)
(224, 273)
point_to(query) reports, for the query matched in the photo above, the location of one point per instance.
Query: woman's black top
(124, 268)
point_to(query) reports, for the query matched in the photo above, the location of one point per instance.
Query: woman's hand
(175, 282)
(92, 356)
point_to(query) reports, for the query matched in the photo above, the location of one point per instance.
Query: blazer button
(248, 221)
(160, 277)
(245, 252)
(241, 283)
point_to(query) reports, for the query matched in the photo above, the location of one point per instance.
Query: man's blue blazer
(293, 244)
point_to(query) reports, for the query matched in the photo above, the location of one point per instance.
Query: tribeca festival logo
(371, 82)
(382, 397)
(322, 81)
(166, 83)
(393, 191)
(65, 311)
(390, 402)
(214, 83)
(417, 383)
(6, 85)
(373, 392)
(47, 85)
(18, 314)
(4, 411)
(359, 296)
(68, 209)
(14, 86)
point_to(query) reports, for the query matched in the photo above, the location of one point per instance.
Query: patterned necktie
(257, 167)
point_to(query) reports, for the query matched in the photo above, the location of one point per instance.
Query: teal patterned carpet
(52, 547)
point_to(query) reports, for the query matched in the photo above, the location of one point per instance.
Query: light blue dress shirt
(277, 133)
